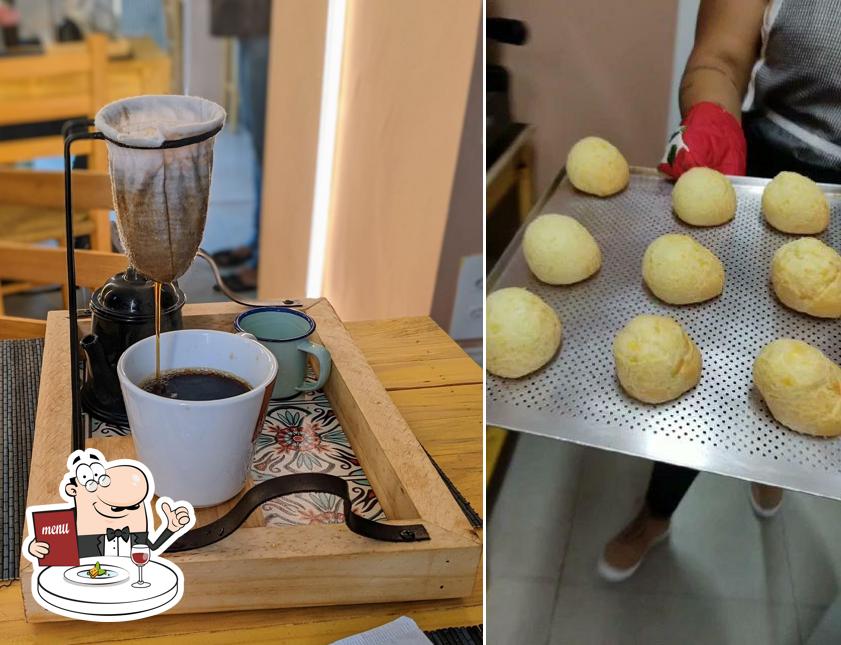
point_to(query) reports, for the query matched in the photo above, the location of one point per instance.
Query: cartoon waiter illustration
(83, 550)
(110, 512)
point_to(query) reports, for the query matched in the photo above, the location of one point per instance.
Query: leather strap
(287, 485)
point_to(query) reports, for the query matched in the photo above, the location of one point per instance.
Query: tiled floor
(724, 577)
(230, 222)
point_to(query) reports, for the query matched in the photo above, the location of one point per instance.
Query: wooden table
(438, 389)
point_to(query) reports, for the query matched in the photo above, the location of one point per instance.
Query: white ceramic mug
(198, 451)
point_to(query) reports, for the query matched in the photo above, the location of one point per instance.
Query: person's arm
(716, 77)
(727, 40)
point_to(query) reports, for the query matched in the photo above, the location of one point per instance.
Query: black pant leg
(667, 486)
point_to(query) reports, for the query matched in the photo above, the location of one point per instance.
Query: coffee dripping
(122, 313)
(160, 157)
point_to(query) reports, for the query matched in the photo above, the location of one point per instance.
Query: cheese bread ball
(559, 250)
(793, 203)
(597, 167)
(806, 275)
(523, 332)
(704, 197)
(801, 387)
(680, 271)
(656, 360)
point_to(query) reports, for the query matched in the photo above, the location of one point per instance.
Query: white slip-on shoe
(765, 500)
(623, 555)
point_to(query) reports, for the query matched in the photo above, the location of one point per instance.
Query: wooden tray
(291, 566)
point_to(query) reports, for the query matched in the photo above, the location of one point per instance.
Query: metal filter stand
(722, 425)
(72, 131)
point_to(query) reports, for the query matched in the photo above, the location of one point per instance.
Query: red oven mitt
(708, 136)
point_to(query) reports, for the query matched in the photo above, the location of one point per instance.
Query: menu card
(58, 529)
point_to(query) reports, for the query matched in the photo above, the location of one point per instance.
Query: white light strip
(186, 45)
(330, 86)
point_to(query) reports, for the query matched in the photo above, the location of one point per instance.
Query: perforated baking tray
(722, 425)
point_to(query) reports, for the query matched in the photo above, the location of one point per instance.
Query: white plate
(79, 575)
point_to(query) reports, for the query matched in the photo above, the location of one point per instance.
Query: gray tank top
(796, 83)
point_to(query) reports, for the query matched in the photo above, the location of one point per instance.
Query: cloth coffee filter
(160, 194)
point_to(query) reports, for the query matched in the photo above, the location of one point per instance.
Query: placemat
(20, 376)
(456, 635)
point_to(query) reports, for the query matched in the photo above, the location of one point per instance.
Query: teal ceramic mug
(285, 333)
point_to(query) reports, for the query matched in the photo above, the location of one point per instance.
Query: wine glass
(140, 556)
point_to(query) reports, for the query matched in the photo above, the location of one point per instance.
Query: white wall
(204, 55)
(463, 234)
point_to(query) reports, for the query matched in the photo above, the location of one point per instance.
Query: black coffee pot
(122, 312)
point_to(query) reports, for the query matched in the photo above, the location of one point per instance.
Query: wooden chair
(27, 189)
(13, 327)
(49, 266)
(61, 84)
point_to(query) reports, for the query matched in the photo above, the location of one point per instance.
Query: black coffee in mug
(196, 384)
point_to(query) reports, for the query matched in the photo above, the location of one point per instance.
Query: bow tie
(123, 533)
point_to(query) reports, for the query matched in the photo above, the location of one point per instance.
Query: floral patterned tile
(300, 435)
(305, 437)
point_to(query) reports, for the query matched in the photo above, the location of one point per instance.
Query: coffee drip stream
(122, 313)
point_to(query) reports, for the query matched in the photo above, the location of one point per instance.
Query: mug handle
(324, 364)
